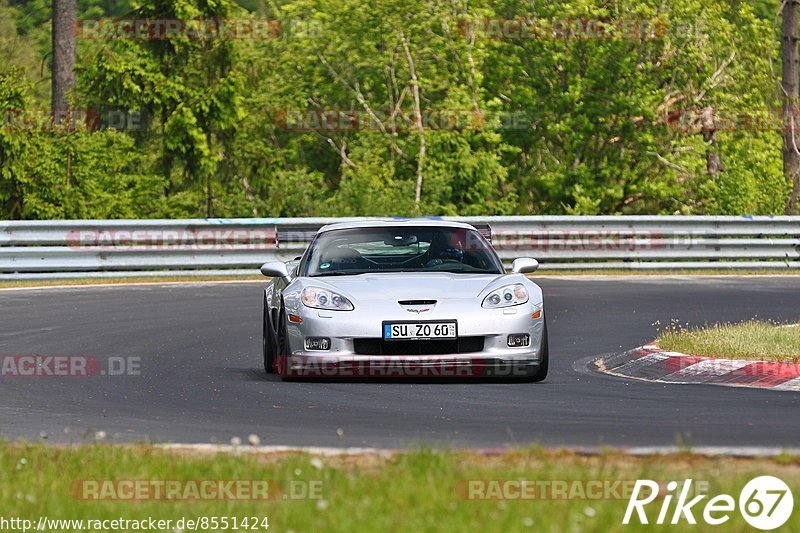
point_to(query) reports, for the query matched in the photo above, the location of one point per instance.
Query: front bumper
(343, 328)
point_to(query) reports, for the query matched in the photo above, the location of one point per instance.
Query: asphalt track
(201, 379)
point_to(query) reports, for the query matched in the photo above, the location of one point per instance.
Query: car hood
(411, 286)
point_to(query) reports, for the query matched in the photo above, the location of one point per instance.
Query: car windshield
(400, 249)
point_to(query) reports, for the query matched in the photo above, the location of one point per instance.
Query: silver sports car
(410, 298)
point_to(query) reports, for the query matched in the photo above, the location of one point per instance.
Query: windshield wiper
(466, 271)
(338, 273)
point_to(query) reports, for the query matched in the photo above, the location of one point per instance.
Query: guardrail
(96, 248)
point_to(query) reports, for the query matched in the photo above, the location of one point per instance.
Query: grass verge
(415, 491)
(258, 277)
(756, 340)
(11, 284)
(669, 272)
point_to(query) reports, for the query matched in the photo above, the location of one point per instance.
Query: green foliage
(12, 147)
(52, 173)
(588, 133)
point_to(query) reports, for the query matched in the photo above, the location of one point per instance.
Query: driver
(442, 251)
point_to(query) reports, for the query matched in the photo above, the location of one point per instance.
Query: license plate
(418, 330)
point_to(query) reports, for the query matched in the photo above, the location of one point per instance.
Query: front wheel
(268, 341)
(282, 351)
(544, 358)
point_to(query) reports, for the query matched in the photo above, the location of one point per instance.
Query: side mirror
(524, 265)
(275, 269)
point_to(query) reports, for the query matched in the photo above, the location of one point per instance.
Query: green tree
(189, 87)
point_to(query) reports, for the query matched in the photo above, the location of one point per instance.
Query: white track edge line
(709, 451)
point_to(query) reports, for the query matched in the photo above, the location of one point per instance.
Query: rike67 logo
(765, 503)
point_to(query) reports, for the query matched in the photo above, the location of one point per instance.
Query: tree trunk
(790, 81)
(63, 79)
(708, 127)
(417, 119)
(209, 198)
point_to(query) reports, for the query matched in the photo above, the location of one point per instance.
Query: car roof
(397, 223)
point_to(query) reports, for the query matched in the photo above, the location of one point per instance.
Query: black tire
(282, 345)
(544, 358)
(269, 346)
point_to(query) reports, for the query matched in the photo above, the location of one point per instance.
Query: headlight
(325, 299)
(506, 296)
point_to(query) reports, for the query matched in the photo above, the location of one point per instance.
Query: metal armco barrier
(98, 248)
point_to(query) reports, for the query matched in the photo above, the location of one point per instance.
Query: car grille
(425, 347)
